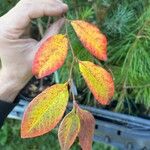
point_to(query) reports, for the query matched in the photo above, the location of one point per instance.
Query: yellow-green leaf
(50, 56)
(98, 80)
(68, 130)
(91, 38)
(87, 123)
(45, 111)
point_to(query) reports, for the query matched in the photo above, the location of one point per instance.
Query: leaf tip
(22, 133)
(105, 57)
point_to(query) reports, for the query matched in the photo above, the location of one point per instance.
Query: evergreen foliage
(126, 24)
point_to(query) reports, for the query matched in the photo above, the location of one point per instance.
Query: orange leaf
(98, 80)
(50, 56)
(45, 111)
(87, 128)
(68, 130)
(91, 38)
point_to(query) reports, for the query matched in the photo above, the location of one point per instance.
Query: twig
(48, 22)
(71, 48)
(71, 70)
(40, 27)
(72, 51)
(73, 96)
(70, 80)
(138, 87)
(41, 31)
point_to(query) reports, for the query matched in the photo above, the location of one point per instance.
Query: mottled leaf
(91, 38)
(50, 56)
(45, 111)
(87, 123)
(98, 80)
(68, 130)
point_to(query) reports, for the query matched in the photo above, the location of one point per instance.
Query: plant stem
(40, 27)
(41, 31)
(70, 45)
(70, 80)
(136, 87)
(70, 74)
(73, 95)
(72, 51)
(71, 69)
(48, 22)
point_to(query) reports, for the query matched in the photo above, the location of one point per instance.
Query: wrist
(9, 87)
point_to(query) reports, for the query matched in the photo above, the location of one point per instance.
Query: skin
(17, 49)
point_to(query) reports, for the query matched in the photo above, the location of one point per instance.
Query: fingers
(47, 9)
(20, 16)
(54, 29)
(27, 32)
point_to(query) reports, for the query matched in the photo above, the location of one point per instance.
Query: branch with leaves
(47, 109)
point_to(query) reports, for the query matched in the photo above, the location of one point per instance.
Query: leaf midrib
(42, 114)
(88, 70)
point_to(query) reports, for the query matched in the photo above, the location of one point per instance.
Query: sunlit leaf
(91, 38)
(45, 111)
(87, 123)
(68, 130)
(98, 80)
(50, 56)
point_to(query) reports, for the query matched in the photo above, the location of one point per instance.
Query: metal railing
(122, 131)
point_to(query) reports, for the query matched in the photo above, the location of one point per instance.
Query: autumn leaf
(92, 39)
(45, 111)
(98, 80)
(87, 123)
(50, 56)
(68, 130)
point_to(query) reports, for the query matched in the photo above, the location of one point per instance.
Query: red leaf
(68, 130)
(50, 56)
(91, 38)
(45, 111)
(87, 128)
(98, 80)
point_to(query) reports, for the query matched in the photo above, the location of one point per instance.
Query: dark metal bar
(125, 132)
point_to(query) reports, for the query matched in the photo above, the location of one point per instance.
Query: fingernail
(65, 7)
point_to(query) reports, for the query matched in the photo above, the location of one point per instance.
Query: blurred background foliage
(127, 27)
(10, 140)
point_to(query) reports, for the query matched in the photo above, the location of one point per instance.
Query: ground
(10, 140)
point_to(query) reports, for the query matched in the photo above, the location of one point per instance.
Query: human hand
(17, 49)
